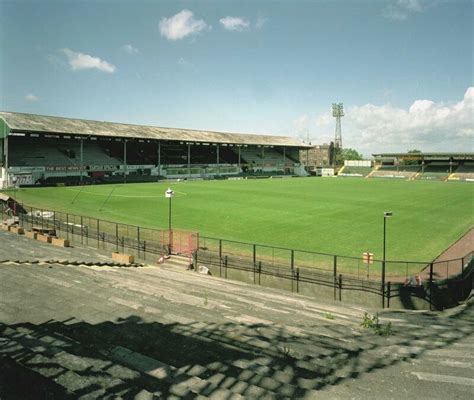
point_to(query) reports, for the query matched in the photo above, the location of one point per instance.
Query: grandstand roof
(19, 122)
(424, 155)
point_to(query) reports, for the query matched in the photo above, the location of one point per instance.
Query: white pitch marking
(423, 376)
(116, 195)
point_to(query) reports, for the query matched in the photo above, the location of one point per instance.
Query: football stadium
(245, 197)
(194, 216)
(232, 200)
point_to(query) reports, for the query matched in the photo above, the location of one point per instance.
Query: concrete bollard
(43, 238)
(123, 258)
(17, 229)
(60, 242)
(31, 234)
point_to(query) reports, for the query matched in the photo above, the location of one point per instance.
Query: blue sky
(402, 68)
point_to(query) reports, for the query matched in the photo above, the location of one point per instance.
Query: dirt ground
(459, 249)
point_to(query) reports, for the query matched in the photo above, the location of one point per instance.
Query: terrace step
(75, 374)
(176, 384)
(179, 262)
(64, 361)
(200, 380)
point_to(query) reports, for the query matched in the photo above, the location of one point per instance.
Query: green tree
(346, 154)
(412, 162)
(351, 154)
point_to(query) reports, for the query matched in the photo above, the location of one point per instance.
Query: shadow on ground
(130, 357)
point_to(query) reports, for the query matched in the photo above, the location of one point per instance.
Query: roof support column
(159, 158)
(240, 167)
(284, 160)
(450, 165)
(7, 159)
(263, 156)
(5, 149)
(189, 160)
(218, 166)
(125, 161)
(82, 156)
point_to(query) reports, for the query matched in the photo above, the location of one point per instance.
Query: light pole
(169, 194)
(386, 214)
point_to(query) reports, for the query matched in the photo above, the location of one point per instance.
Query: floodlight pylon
(338, 112)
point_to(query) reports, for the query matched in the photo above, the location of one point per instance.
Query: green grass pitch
(338, 216)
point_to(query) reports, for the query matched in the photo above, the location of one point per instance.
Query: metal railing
(257, 263)
(145, 243)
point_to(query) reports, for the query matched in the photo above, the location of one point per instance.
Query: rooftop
(426, 155)
(32, 123)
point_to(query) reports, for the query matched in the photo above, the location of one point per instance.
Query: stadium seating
(355, 171)
(272, 159)
(393, 171)
(465, 172)
(36, 152)
(435, 171)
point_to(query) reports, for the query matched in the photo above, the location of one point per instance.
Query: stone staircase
(163, 332)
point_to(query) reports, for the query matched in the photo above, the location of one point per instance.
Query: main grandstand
(42, 150)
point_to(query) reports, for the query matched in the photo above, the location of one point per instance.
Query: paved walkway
(162, 332)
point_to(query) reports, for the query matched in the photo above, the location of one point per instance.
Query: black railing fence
(275, 258)
(339, 277)
(145, 243)
(429, 286)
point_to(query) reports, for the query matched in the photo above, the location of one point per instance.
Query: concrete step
(181, 385)
(178, 262)
(194, 379)
(13, 376)
(78, 372)
(75, 374)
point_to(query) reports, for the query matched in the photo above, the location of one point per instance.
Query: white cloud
(301, 126)
(260, 22)
(400, 10)
(234, 23)
(31, 97)
(128, 48)
(301, 123)
(181, 25)
(79, 61)
(426, 125)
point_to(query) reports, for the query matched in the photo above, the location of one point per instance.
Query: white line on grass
(128, 195)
